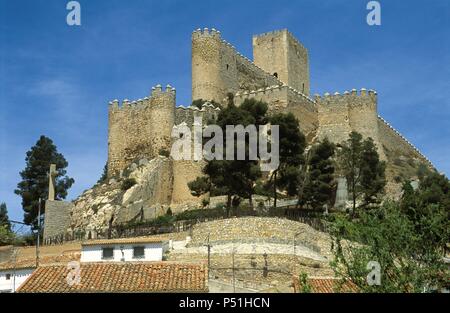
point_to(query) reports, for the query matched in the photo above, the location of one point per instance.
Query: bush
(128, 183)
(164, 152)
(201, 213)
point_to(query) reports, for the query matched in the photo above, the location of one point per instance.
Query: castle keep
(140, 131)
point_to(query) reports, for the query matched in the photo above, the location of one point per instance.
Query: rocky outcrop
(108, 204)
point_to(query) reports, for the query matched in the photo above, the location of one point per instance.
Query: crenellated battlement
(206, 33)
(279, 32)
(187, 114)
(157, 92)
(363, 92)
(404, 139)
(272, 93)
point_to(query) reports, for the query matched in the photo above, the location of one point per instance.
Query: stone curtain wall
(140, 129)
(340, 114)
(57, 217)
(187, 114)
(283, 99)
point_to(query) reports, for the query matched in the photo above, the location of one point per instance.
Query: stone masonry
(279, 75)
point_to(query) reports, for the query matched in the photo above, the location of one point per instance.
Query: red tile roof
(120, 277)
(326, 285)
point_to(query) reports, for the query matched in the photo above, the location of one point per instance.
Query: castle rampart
(340, 114)
(140, 129)
(282, 99)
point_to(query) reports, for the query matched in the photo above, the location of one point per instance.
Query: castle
(278, 75)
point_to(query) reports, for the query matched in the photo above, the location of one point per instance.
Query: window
(275, 74)
(138, 252)
(228, 66)
(8, 276)
(107, 253)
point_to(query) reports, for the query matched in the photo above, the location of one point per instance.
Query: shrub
(201, 213)
(164, 152)
(205, 202)
(128, 183)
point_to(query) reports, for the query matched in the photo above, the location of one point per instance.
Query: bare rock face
(108, 204)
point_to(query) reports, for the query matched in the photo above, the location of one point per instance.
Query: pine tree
(359, 162)
(34, 184)
(232, 177)
(291, 147)
(4, 219)
(319, 187)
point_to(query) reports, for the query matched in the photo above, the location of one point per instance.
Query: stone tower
(209, 66)
(283, 56)
(140, 129)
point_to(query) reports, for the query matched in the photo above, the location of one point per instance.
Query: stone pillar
(51, 182)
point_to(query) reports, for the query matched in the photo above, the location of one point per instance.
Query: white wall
(153, 252)
(10, 285)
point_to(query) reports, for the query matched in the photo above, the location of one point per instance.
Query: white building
(12, 278)
(123, 250)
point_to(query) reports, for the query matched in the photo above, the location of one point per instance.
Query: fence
(291, 212)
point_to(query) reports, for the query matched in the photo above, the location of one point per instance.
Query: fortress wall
(282, 99)
(139, 129)
(128, 133)
(363, 113)
(393, 141)
(217, 68)
(333, 117)
(340, 114)
(185, 172)
(187, 114)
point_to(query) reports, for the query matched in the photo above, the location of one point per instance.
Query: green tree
(232, 177)
(34, 184)
(4, 219)
(7, 237)
(359, 162)
(319, 188)
(291, 147)
(104, 176)
(386, 235)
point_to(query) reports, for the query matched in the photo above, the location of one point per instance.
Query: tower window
(303, 87)
(275, 74)
(228, 66)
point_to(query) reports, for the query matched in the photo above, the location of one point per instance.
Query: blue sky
(57, 80)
